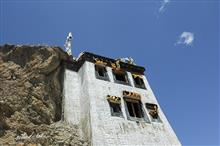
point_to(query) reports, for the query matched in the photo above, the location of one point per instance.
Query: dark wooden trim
(86, 56)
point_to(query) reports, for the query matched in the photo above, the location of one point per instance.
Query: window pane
(153, 112)
(130, 109)
(138, 111)
(115, 109)
(120, 77)
(138, 81)
(101, 72)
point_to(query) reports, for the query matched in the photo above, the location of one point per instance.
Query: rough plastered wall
(86, 104)
(71, 102)
(76, 100)
(109, 130)
(85, 121)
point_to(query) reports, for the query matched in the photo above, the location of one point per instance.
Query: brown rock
(31, 97)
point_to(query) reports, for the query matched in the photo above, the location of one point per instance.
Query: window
(101, 72)
(115, 109)
(138, 81)
(153, 112)
(135, 110)
(120, 77)
(115, 105)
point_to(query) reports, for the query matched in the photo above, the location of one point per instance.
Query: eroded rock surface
(31, 97)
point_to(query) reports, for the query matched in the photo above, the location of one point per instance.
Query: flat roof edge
(90, 57)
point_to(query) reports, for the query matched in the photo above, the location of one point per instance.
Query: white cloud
(164, 3)
(186, 38)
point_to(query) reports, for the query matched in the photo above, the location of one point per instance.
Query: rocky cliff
(31, 97)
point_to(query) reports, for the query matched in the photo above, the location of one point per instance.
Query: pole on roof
(68, 44)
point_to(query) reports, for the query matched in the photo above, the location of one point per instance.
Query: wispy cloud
(186, 38)
(164, 3)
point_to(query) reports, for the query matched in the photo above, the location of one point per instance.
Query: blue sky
(176, 41)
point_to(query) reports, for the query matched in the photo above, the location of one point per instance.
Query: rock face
(31, 97)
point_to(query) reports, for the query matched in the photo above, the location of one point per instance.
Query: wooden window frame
(153, 108)
(105, 77)
(115, 72)
(143, 118)
(143, 86)
(115, 114)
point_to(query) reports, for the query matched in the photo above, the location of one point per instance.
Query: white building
(113, 103)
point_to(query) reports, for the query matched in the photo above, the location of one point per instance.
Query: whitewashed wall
(72, 94)
(85, 104)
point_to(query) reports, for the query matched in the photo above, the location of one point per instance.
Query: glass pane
(120, 77)
(115, 109)
(130, 110)
(137, 109)
(101, 72)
